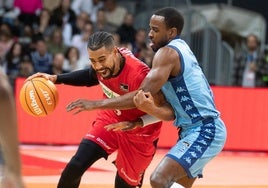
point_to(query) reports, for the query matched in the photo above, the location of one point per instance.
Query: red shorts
(135, 149)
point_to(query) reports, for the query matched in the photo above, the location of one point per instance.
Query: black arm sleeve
(84, 77)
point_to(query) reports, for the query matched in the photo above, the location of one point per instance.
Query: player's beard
(106, 73)
(160, 44)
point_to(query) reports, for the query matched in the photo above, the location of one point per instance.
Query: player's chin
(106, 76)
(154, 48)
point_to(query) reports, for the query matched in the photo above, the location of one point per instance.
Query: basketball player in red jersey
(118, 72)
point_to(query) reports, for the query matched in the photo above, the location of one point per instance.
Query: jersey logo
(124, 87)
(108, 92)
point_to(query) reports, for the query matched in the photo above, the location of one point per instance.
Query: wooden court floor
(42, 166)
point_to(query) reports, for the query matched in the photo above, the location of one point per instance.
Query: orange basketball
(39, 97)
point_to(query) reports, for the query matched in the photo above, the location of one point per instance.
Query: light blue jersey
(203, 133)
(189, 93)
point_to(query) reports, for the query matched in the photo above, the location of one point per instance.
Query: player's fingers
(73, 105)
(110, 127)
(139, 93)
(39, 74)
(128, 127)
(138, 97)
(148, 95)
(78, 111)
(114, 127)
(117, 129)
(69, 107)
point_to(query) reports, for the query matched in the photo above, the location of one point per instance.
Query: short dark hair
(99, 39)
(173, 18)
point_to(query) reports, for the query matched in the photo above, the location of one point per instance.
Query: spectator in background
(55, 43)
(116, 39)
(57, 64)
(64, 17)
(28, 10)
(97, 4)
(80, 41)
(5, 6)
(13, 60)
(127, 30)
(146, 55)
(43, 25)
(6, 41)
(51, 4)
(26, 68)
(81, 19)
(140, 42)
(26, 38)
(41, 58)
(115, 14)
(87, 6)
(247, 64)
(101, 23)
(72, 60)
(264, 69)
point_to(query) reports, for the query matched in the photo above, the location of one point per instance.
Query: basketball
(39, 97)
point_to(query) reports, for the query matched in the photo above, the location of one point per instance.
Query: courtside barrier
(244, 111)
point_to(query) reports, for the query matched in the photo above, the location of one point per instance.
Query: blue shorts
(198, 144)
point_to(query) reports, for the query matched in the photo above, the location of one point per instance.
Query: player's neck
(120, 65)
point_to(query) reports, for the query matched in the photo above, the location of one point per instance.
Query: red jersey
(129, 79)
(136, 147)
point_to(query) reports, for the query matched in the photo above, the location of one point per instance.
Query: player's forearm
(85, 77)
(164, 112)
(121, 103)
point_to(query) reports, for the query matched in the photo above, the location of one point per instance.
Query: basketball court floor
(42, 166)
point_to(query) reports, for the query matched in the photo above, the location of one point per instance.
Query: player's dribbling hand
(52, 78)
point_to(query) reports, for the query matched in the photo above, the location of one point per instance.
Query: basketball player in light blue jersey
(176, 72)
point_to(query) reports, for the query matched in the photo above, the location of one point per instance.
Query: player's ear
(173, 32)
(115, 50)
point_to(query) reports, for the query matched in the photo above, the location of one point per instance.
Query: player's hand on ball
(81, 105)
(52, 78)
(39, 96)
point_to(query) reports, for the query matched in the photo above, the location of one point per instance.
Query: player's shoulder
(125, 51)
(130, 58)
(166, 53)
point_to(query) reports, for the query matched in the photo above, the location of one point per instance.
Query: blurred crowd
(51, 36)
(251, 64)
